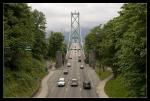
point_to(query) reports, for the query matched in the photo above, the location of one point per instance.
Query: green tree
(121, 44)
(56, 43)
(132, 54)
(23, 30)
(39, 47)
(17, 33)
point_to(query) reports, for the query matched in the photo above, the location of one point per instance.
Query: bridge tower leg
(75, 35)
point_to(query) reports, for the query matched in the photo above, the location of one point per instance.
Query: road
(74, 71)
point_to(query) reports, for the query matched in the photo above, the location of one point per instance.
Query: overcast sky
(58, 15)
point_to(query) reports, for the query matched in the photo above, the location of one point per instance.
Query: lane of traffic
(52, 83)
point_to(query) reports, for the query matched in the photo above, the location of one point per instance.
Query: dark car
(65, 71)
(74, 82)
(79, 60)
(86, 85)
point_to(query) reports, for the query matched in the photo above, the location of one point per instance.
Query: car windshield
(87, 82)
(74, 79)
(61, 79)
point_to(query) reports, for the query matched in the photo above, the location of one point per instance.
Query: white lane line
(66, 90)
(92, 83)
(53, 78)
(54, 87)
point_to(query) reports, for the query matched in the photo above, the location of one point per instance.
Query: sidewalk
(100, 88)
(43, 90)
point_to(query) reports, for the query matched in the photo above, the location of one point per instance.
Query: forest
(121, 45)
(26, 49)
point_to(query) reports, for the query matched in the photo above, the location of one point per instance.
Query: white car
(81, 67)
(68, 65)
(61, 82)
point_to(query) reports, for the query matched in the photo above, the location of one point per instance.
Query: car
(61, 82)
(81, 67)
(86, 84)
(86, 60)
(68, 65)
(74, 82)
(65, 71)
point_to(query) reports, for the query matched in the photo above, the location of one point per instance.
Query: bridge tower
(75, 35)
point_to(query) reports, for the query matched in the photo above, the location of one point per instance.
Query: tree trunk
(103, 68)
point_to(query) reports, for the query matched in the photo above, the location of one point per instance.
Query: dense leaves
(56, 43)
(121, 44)
(25, 49)
(18, 33)
(39, 47)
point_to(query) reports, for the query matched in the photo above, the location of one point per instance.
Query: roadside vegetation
(121, 45)
(103, 73)
(116, 88)
(25, 49)
(56, 43)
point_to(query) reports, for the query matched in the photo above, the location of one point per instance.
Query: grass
(115, 88)
(103, 74)
(25, 82)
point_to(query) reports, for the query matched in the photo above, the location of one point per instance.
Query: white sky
(58, 15)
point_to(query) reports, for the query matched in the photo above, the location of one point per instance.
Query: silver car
(74, 82)
(81, 67)
(68, 65)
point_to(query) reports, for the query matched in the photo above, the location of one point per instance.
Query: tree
(39, 35)
(132, 54)
(17, 33)
(121, 44)
(56, 40)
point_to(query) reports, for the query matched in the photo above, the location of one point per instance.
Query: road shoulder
(43, 90)
(100, 88)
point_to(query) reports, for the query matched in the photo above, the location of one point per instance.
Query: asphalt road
(74, 72)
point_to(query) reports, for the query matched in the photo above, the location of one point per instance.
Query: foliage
(56, 43)
(24, 49)
(23, 83)
(17, 33)
(121, 45)
(103, 74)
(115, 88)
(39, 35)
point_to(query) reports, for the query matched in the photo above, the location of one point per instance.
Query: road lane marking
(66, 90)
(54, 86)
